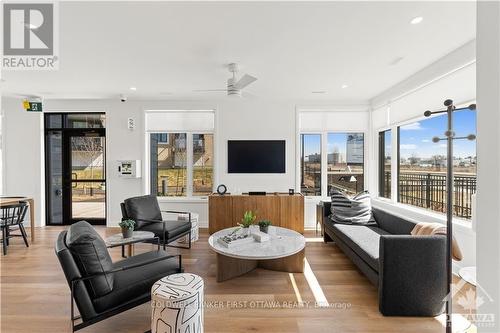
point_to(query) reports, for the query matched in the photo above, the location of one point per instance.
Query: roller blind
(333, 121)
(182, 120)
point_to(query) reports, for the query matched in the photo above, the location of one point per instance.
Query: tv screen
(256, 156)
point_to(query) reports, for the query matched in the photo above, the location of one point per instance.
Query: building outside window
(181, 152)
(345, 162)
(344, 156)
(168, 150)
(203, 159)
(310, 164)
(422, 164)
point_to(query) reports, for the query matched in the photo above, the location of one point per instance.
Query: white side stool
(177, 304)
(195, 217)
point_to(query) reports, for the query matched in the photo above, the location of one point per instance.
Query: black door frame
(67, 173)
(67, 134)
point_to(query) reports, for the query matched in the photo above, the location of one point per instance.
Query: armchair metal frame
(164, 241)
(116, 310)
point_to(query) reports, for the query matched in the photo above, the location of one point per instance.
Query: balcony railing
(428, 190)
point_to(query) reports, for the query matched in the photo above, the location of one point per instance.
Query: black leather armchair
(101, 288)
(146, 213)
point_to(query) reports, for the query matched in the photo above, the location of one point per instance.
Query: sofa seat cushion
(172, 228)
(136, 283)
(364, 240)
(91, 256)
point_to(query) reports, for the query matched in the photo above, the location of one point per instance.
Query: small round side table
(177, 304)
(137, 237)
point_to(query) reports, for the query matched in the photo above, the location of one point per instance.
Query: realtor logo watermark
(470, 302)
(30, 36)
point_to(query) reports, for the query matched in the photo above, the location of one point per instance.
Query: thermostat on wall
(129, 169)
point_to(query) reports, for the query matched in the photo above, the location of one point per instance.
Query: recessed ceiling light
(319, 92)
(417, 20)
(345, 86)
(133, 88)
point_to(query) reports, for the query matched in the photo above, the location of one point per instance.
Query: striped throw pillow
(356, 210)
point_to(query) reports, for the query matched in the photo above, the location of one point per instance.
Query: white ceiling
(168, 49)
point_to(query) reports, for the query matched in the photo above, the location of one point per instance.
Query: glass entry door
(75, 165)
(86, 176)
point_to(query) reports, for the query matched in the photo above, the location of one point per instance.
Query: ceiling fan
(234, 86)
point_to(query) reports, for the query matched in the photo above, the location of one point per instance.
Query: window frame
(189, 164)
(299, 164)
(324, 158)
(395, 166)
(381, 164)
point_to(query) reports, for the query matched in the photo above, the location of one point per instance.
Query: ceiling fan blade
(209, 90)
(244, 81)
(247, 94)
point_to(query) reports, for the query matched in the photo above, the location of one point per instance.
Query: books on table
(230, 243)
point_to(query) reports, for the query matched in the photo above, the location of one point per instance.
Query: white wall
(259, 120)
(235, 119)
(23, 144)
(488, 152)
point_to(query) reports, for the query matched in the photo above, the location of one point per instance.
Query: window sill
(435, 217)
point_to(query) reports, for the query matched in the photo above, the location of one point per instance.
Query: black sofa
(409, 271)
(102, 288)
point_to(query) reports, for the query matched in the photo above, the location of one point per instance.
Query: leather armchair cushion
(172, 228)
(144, 207)
(136, 283)
(91, 256)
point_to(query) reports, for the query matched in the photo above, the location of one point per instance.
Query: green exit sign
(33, 106)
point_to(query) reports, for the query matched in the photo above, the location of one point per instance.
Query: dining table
(10, 200)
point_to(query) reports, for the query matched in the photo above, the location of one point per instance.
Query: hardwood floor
(35, 295)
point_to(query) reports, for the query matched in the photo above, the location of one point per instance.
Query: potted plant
(264, 225)
(127, 226)
(247, 220)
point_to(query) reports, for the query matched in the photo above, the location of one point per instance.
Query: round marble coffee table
(283, 252)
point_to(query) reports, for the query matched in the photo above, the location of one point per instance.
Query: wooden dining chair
(12, 218)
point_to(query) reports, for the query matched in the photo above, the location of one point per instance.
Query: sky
(312, 143)
(416, 138)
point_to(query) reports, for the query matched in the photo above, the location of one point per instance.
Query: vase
(127, 233)
(264, 229)
(244, 231)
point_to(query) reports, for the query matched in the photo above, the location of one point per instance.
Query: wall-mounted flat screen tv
(256, 156)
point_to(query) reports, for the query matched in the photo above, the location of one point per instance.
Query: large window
(344, 156)
(181, 152)
(422, 163)
(170, 171)
(168, 164)
(384, 185)
(310, 164)
(345, 162)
